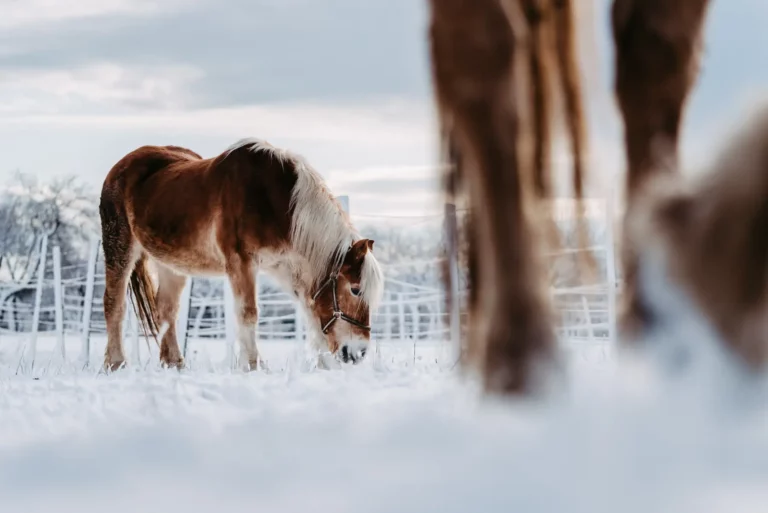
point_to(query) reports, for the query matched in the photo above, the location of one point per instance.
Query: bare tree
(65, 208)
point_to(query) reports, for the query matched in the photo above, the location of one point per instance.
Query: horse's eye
(356, 291)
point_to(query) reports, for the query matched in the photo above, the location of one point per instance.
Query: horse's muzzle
(354, 356)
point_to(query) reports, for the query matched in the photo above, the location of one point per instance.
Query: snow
(397, 433)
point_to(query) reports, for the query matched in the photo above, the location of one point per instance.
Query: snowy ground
(396, 434)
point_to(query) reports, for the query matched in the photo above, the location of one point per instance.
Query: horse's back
(143, 198)
(178, 206)
(140, 164)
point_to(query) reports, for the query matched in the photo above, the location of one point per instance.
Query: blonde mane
(321, 230)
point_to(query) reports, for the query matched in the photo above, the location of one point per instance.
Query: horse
(168, 214)
(497, 67)
(702, 253)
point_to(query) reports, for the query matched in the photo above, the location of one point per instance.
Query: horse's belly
(193, 263)
(198, 255)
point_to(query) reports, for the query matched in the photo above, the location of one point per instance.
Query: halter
(337, 313)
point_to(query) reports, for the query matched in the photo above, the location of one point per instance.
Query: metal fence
(73, 306)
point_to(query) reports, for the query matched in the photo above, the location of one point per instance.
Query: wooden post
(38, 300)
(452, 254)
(610, 265)
(58, 302)
(182, 320)
(133, 321)
(230, 323)
(588, 318)
(257, 285)
(388, 318)
(85, 352)
(401, 314)
(12, 316)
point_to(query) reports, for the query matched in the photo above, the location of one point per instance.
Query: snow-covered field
(398, 433)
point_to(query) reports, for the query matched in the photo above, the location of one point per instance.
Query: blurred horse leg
(473, 48)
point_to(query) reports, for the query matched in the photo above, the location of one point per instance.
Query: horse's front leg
(658, 48)
(472, 48)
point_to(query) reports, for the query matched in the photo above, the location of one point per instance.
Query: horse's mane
(320, 229)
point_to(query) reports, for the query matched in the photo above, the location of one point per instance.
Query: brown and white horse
(253, 207)
(497, 67)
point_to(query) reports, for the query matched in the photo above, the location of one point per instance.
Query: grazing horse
(497, 66)
(253, 207)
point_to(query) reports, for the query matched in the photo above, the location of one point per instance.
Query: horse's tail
(570, 83)
(143, 298)
(553, 68)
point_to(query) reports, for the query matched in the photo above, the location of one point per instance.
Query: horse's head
(343, 302)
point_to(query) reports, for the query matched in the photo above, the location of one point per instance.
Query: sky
(343, 82)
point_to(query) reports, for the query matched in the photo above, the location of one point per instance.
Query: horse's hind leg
(117, 276)
(120, 256)
(170, 287)
(119, 259)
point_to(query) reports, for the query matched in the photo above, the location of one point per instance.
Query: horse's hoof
(112, 366)
(254, 365)
(173, 364)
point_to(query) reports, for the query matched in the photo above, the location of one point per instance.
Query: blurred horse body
(500, 69)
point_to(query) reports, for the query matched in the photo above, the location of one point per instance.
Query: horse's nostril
(345, 354)
(354, 355)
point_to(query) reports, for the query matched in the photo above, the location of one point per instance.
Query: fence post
(12, 316)
(401, 314)
(610, 264)
(58, 301)
(230, 323)
(454, 315)
(182, 320)
(85, 352)
(257, 285)
(201, 311)
(133, 323)
(435, 318)
(588, 318)
(38, 300)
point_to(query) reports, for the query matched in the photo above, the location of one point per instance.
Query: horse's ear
(360, 248)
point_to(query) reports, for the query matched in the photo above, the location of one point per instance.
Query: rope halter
(337, 313)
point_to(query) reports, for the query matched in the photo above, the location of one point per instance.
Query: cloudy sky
(343, 82)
